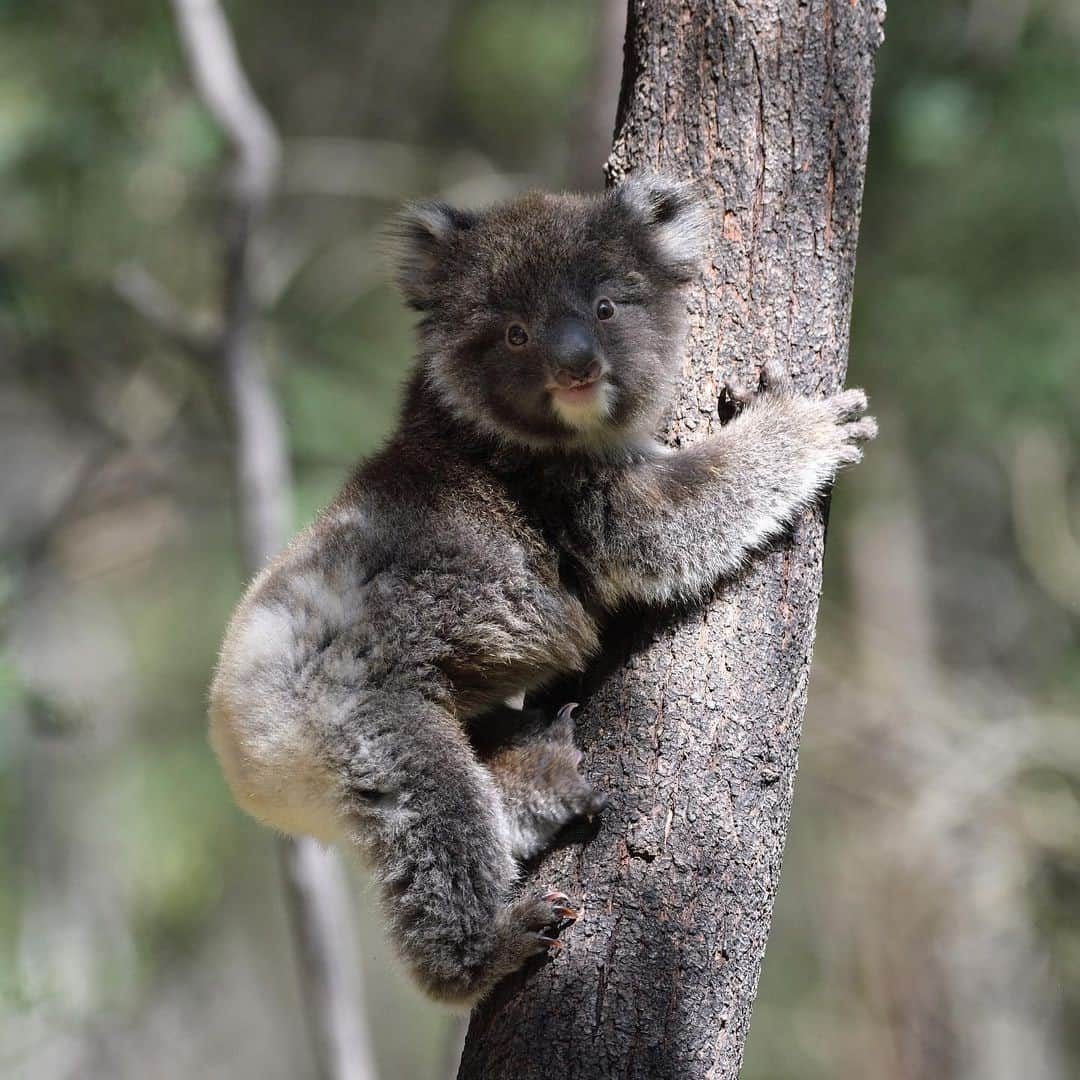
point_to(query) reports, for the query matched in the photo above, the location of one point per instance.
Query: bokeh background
(927, 923)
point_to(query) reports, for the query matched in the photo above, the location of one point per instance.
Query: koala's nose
(574, 353)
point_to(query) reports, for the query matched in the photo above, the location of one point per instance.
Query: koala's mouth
(584, 404)
(577, 387)
(579, 392)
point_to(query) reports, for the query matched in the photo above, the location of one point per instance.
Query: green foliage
(175, 838)
(513, 72)
(968, 257)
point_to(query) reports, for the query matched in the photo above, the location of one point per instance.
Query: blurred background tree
(926, 926)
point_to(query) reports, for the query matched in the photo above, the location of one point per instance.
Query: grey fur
(478, 554)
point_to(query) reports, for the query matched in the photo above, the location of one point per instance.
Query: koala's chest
(521, 621)
(575, 522)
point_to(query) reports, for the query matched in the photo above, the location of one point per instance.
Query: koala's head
(554, 320)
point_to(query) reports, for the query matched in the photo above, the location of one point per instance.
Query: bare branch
(227, 94)
(1039, 474)
(318, 900)
(317, 893)
(149, 298)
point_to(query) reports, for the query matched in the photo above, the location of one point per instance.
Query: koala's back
(424, 580)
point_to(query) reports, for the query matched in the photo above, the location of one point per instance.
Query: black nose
(573, 350)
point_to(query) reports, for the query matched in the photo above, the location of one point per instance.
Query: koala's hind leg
(429, 819)
(536, 766)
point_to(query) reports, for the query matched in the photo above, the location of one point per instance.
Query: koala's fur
(475, 557)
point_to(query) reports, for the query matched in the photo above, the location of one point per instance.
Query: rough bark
(695, 736)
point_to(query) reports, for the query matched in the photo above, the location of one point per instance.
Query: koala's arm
(677, 523)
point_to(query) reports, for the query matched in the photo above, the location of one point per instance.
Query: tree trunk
(766, 103)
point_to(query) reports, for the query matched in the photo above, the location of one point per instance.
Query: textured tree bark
(766, 103)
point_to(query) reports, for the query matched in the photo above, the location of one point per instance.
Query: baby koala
(521, 500)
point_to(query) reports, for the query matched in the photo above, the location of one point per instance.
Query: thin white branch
(1039, 473)
(318, 898)
(149, 298)
(227, 94)
(318, 894)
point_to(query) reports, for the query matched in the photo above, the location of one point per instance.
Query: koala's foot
(531, 927)
(527, 928)
(542, 787)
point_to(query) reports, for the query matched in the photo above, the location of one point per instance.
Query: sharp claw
(551, 943)
(566, 712)
(732, 400)
(562, 906)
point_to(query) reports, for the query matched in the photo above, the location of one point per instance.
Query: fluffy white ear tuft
(421, 239)
(673, 216)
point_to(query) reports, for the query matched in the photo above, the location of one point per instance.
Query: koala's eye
(517, 337)
(605, 309)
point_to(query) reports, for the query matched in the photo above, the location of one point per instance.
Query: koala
(520, 502)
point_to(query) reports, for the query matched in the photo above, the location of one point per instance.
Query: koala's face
(555, 319)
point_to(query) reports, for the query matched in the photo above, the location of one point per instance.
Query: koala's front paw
(542, 785)
(849, 426)
(829, 430)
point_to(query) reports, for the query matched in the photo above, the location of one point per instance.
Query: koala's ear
(672, 216)
(422, 238)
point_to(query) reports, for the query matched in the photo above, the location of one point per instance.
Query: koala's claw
(848, 408)
(548, 911)
(542, 918)
(562, 727)
(531, 927)
(734, 397)
(543, 785)
(566, 712)
(849, 404)
(561, 905)
(774, 378)
(552, 897)
(861, 430)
